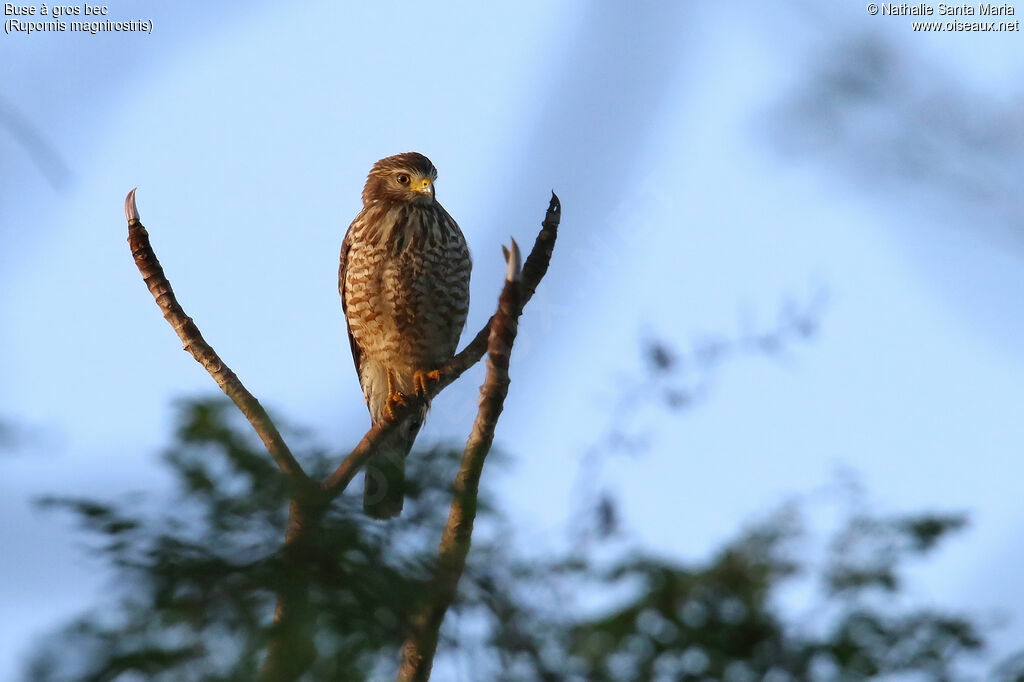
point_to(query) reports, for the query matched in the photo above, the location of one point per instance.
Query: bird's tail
(384, 487)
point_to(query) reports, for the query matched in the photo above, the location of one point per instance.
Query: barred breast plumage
(404, 283)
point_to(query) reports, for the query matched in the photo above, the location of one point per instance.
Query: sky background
(715, 164)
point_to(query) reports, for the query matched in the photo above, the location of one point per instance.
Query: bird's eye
(403, 178)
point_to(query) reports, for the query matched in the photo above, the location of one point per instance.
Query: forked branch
(145, 259)
(309, 498)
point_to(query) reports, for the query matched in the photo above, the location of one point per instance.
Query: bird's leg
(422, 381)
(395, 398)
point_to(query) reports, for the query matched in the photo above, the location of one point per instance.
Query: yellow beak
(422, 185)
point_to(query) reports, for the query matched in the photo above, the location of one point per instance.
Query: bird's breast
(407, 285)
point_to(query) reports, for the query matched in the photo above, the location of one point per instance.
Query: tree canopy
(196, 579)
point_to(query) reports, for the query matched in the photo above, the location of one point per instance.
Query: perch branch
(205, 355)
(421, 641)
(145, 259)
(291, 648)
(531, 274)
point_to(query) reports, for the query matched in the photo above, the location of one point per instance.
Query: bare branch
(205, 355)
(291, 648)
(532, 273)
(421, 642)
(349, 467)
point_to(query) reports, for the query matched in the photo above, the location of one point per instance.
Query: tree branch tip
(555, 205)
(514, 258)
(131, 211)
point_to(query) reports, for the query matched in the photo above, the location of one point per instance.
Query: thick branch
(421, 643)
(188, 332)
(291, 648)
(532, 272)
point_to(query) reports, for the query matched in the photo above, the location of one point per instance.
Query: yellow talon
(395, 400)
(422, 381)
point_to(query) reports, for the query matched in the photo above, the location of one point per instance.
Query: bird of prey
(404, 283)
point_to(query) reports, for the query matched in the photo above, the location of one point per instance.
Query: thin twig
(205, 355)
(421, 642)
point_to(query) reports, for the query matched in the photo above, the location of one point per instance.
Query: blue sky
(249, 133)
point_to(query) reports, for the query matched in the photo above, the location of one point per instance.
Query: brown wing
(346, 245)
(459, 262)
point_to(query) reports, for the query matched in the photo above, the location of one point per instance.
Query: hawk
(404, 283)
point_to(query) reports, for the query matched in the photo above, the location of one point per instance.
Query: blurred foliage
(904, 126)
(196, 579)
(676, 380)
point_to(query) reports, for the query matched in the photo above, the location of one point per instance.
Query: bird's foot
(396, 401)
(424, 380)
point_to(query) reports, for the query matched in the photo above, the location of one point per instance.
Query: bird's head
(407, 178)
